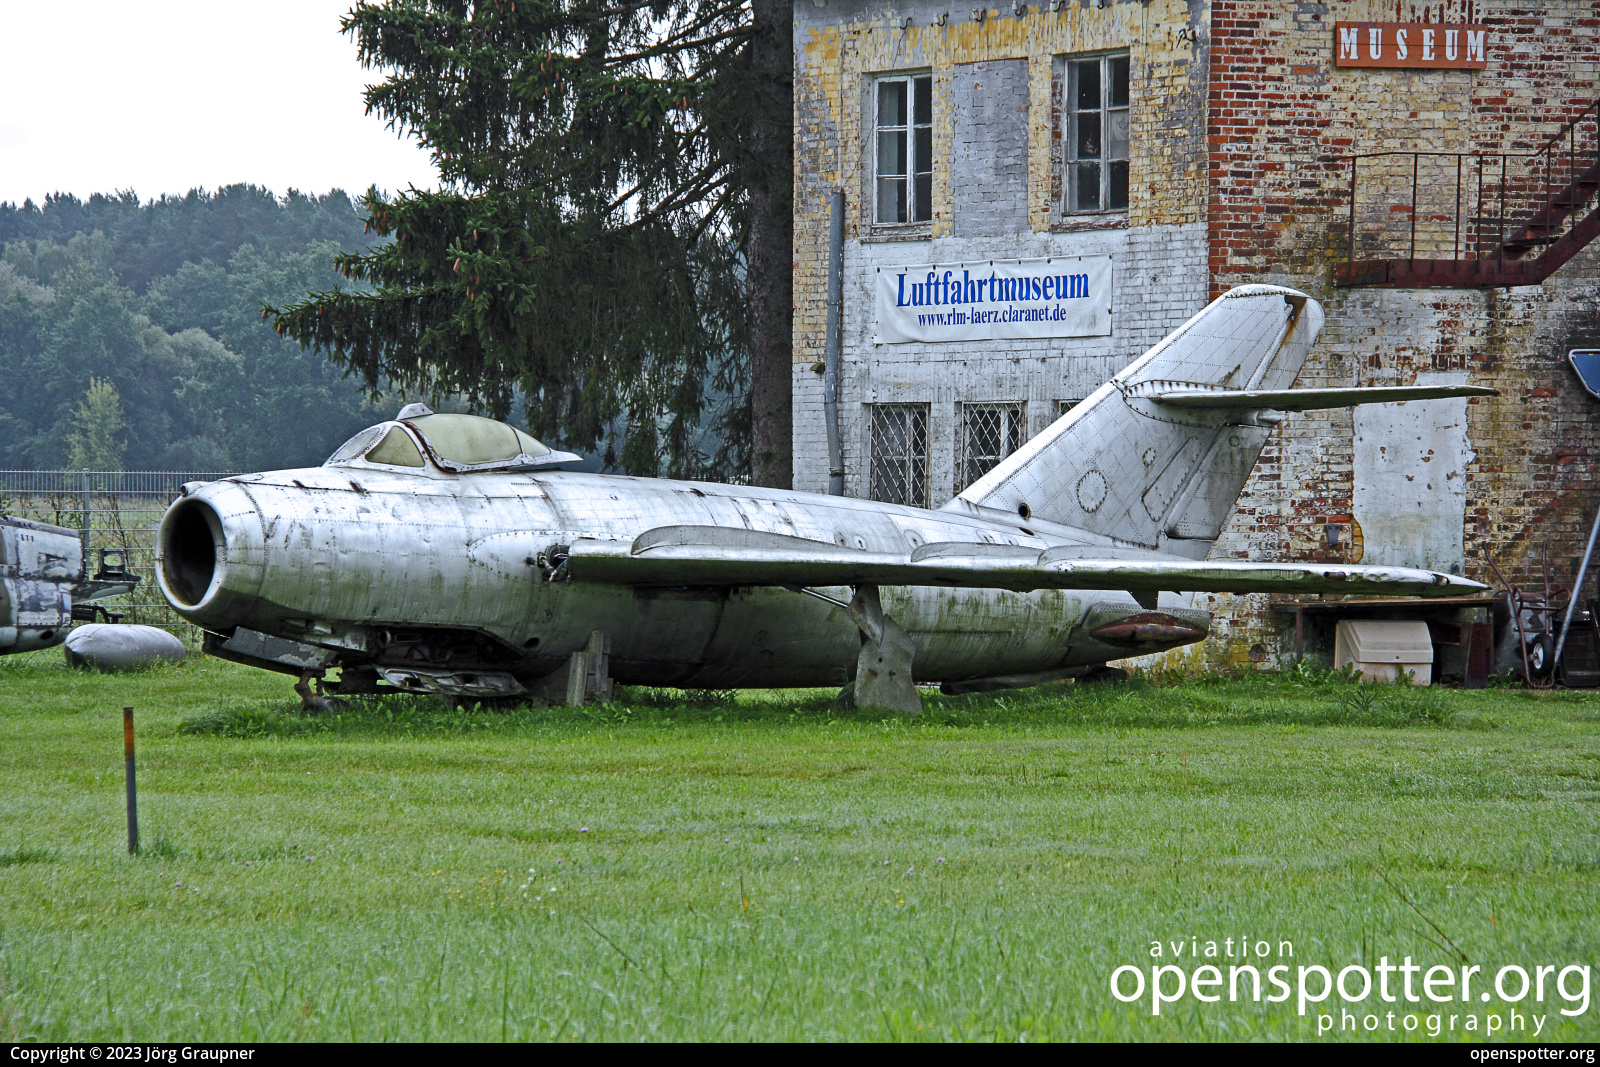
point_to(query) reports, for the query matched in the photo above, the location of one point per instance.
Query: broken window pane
(1088, 94)
(1086, 182)
(1089, 136)
(1118, 95)
(1117, 188)
(1097, 130)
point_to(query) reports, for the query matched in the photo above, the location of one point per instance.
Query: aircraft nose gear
(883, 668)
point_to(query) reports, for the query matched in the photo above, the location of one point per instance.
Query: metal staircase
(1441, 220)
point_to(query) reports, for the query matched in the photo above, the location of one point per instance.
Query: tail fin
(1127, 465)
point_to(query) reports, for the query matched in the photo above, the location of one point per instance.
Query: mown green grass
(699, 866)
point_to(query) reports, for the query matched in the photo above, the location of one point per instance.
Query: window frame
(1068, 129)
(1013, 435)
(917, 467)
(913, 163)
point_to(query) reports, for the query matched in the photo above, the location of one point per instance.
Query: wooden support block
(577, 679)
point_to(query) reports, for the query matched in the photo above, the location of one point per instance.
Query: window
(397, 450)
(904, 172)
(1064, 406)
(989, 433)
(1096, 116)
(899, 473)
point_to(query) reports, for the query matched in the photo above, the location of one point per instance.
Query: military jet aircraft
(449, 554)
(44, 584)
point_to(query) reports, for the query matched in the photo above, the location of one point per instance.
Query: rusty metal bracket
(312, 700)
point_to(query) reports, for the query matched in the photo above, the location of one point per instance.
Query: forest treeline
(131, 333)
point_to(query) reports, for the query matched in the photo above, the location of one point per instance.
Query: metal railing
(1485, 209)
(117, 511)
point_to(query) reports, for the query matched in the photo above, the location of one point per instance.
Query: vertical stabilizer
(1124, 465)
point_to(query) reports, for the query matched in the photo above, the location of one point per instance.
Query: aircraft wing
(709, 556)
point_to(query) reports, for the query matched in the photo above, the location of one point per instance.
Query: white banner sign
(992, 300)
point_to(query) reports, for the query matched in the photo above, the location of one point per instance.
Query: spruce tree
(611, 240)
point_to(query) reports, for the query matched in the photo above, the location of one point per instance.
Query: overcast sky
(162, 96)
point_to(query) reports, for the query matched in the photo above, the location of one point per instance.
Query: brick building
(1166, 150)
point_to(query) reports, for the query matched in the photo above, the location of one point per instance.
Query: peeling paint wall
(1281, 115)
(996, 193)
(1409, 496)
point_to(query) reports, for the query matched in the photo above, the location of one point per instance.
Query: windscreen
(396, 450)
(354, 447)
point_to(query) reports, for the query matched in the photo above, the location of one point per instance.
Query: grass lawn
(688, 866)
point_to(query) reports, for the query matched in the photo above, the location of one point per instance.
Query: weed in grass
(1361, 703)
(249, 720)
(18, 856)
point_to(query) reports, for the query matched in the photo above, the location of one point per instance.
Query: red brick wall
(1282, 120)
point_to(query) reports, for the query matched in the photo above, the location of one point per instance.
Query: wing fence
(117, 511)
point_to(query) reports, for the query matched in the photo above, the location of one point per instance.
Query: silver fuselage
(356, 557)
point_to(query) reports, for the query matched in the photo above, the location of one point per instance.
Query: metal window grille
(904, 153)
(1064, 406)
(989, 433)
(899, 471)
(117, 511)
(1096, 116)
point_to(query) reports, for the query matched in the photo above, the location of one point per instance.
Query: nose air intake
(191, 553)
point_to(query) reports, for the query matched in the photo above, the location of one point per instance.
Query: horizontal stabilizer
(1309, 399)
(653, 561)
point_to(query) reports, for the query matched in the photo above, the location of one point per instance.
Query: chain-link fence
(118, 511)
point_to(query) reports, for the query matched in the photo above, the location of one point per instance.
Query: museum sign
(1411, 45)
(993, 299)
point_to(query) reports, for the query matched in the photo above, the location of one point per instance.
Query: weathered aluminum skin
(436, 575)
(39, 564)
(329, 555)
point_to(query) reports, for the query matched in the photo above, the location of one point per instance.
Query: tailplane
(1158, 455)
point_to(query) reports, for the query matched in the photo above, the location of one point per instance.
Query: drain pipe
(835, 339)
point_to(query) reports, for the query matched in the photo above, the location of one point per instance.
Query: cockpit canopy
(459, 444)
